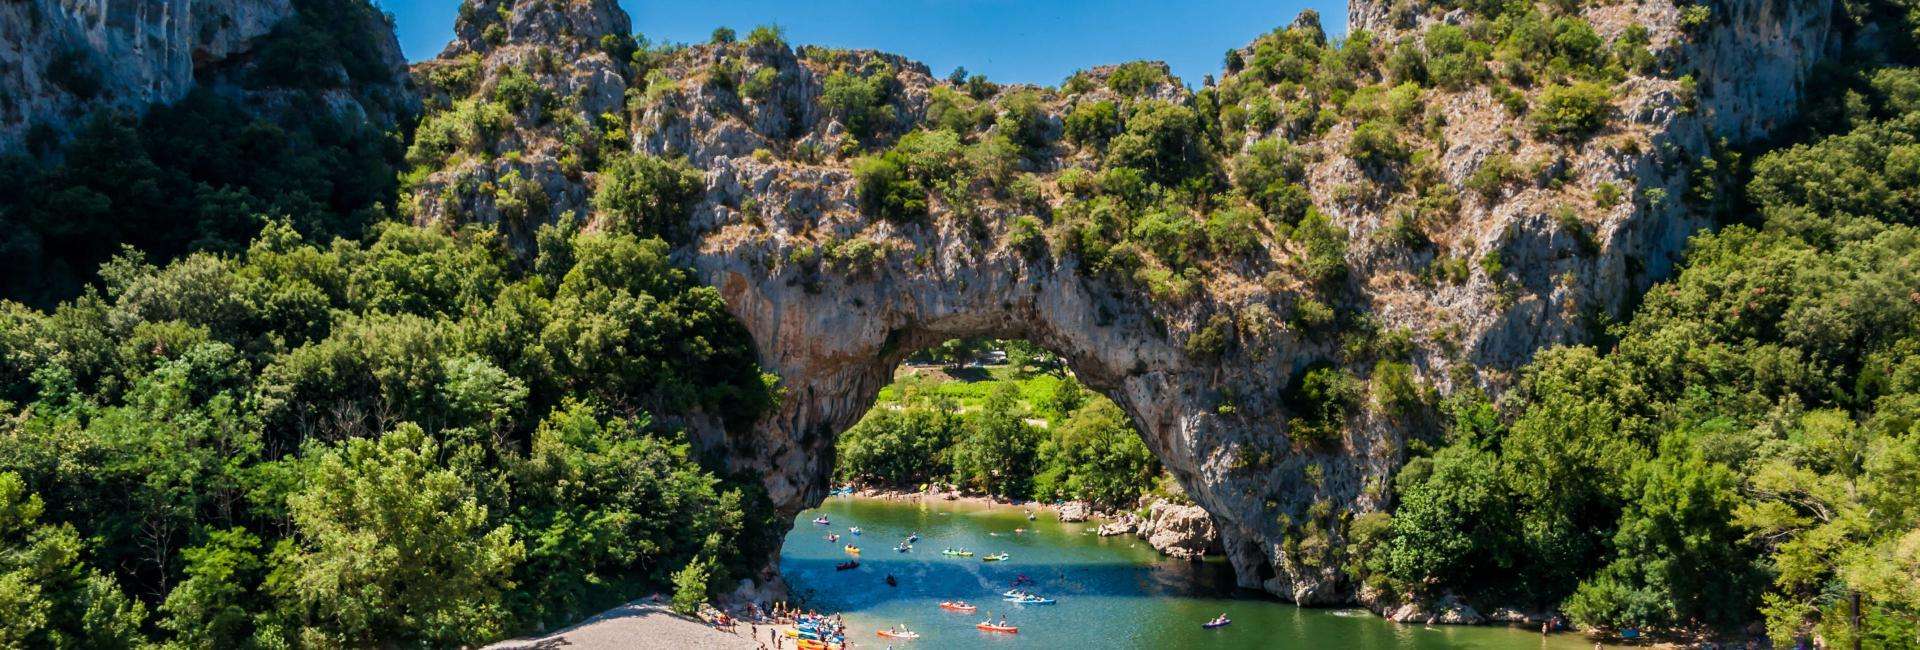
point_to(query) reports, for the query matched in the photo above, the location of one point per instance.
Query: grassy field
(969, 387)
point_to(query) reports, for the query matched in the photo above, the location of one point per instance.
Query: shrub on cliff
(1093, 123)
(1572, 111)
(860, 101)
(647, 195)
(887, 190)
(1161, 139)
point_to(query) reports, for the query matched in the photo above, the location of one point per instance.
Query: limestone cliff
(61, 60)
(531, 163)
(1477, 239)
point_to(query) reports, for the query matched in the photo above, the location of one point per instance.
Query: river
(1112, 592)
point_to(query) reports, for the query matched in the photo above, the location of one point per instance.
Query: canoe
(1213, 624)
(958, 607)
(1030, 600)
(1009, 629)
(898, 635)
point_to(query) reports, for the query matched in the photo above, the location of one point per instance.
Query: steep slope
(64, 60)
(1277, 276)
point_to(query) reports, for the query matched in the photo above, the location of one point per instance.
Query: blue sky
(1030, 41)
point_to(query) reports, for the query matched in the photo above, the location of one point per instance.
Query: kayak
(957, 553)
(903, 548)
(898, 635)
(958, 607)
(989, 627)
(855, 550)
(855, 530)
(913, 538)
(822, 520)
(849, 564)
(1030, 600)
(993, 558)
(1213, 624)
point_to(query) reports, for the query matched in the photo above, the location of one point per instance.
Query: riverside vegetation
(284, 417)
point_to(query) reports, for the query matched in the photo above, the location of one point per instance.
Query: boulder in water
(1075, 511)
(1186, 532)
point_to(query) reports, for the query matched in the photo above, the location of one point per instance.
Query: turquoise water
(1113, 592)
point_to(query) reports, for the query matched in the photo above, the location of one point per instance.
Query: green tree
(390, 547)
(995, 454)
(1454, 525)
(48, 598)
(647, 196)
(1095, 456)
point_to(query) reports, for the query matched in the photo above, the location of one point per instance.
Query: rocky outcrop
(836, 296)
(1183, 531)
(1075, 511)
(1123, 524)
(556, 73)
(64, 59)
(1448, 610)
(1179, 531)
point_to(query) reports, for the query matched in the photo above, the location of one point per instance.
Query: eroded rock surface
(65, 59)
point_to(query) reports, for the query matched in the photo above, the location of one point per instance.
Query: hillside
(1575, 307)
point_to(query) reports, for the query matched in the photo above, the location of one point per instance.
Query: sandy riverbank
(647, 624)
(956, 497)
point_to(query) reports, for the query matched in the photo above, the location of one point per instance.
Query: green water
(1113, 592)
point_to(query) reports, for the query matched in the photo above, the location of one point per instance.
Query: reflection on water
(1113, 592)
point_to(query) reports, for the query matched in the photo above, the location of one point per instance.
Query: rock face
(1180, 531)
(63, 59)
(66, 57)
(836, 297)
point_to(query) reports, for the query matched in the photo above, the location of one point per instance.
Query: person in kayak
(1220, 620)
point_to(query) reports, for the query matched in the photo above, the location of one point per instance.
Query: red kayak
(989, 627)
(853, 564)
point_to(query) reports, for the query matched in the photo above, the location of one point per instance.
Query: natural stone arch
(778, 192)
(835, 339)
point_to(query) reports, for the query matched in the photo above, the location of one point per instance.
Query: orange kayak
(998, 628)
(898, 635)
(958, 607)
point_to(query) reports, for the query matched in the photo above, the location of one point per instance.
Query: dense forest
(243, 404)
